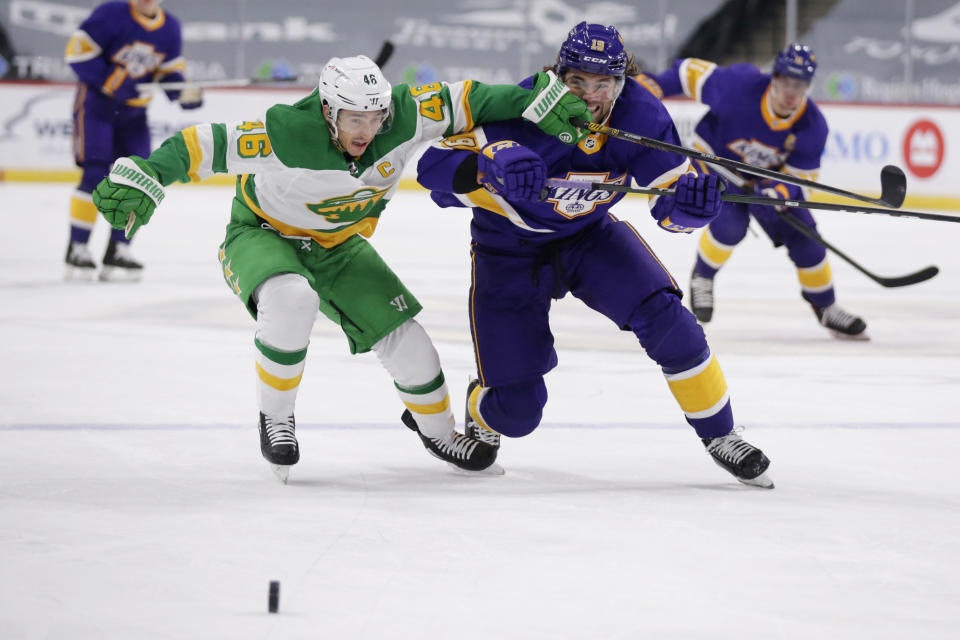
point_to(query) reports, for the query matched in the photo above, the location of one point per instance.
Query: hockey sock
(409, 356)
(83, 215)
(286, 309)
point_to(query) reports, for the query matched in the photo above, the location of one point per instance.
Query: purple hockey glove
(511, 170)
(696, 201)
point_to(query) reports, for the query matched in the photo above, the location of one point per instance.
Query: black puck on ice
(273, 602)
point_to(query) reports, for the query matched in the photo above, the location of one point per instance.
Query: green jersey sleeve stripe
(219, 147)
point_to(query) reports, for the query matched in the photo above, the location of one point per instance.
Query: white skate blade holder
(762, 481)
(282, 471)
(493, 470)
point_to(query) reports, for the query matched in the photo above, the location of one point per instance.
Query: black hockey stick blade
(893, 185)
(386, 51)
(894, 281)
(908, 279)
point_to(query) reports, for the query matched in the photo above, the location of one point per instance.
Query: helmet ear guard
(356, 84)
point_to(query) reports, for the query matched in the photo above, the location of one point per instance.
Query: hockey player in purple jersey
(118, 46)
(527, 252)
(767, 121)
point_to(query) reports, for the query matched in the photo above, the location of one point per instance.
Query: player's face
(597, 91)
(356, 129)
(147, 7)
(787, 94)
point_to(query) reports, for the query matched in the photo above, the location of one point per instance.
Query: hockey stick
(384, 55)
(386, 52)
(893, 182)
(553, 183)
(150, 87)
(789, 218)
(895, 281)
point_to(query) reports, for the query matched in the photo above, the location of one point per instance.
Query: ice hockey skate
(119, 265)
(278, 443)
(701, 296)
(79, 264)
(743, 460)
(472, 429)
(842, 324)
(457, 450)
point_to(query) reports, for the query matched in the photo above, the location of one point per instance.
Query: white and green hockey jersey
(291, 174)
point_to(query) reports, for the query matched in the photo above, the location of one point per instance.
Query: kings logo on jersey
(139, 58)
(758, 154)
(344, 210)
(573, 203)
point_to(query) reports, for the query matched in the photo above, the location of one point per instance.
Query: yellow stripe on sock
(83, 210)
(699, 388)
(711, 251)
(815, 277)
(473, 406)
(280, 384)
(430, 409)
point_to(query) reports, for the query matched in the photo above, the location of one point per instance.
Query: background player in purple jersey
(526, 252)
(118, 46)
(767, 121)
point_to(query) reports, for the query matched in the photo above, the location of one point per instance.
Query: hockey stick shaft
(383, 56)
(744, 199)
(893, 182)
(894, 281)
(147, 87)
(789, 218)
(386, 52)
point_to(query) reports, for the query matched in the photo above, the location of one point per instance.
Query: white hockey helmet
(357, 84)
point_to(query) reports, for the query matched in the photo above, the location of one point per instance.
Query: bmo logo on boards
(923, 148)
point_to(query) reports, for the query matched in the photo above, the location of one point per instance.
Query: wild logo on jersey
(342, 210)
(758, 154)
(573, 203)
(139, 58)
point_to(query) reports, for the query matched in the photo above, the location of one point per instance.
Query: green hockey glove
(552, 107)
(129, 194)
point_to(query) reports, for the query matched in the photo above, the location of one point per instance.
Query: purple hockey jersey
(512, 224)
(741, 124)
(116, 48)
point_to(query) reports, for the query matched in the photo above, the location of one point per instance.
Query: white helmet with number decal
(356, 84)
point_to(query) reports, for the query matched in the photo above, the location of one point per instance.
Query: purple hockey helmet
(797, 61)
(593, 48)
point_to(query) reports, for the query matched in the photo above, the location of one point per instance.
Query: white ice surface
(134, 502)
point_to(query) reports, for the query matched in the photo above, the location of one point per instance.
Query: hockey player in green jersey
(314, 178)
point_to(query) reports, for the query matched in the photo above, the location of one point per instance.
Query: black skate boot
(78, 262)
(278, 443)
(740, 458)
(842, 324)
(701, 297)
(476, 431)
(457, 449)
(119, 265)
